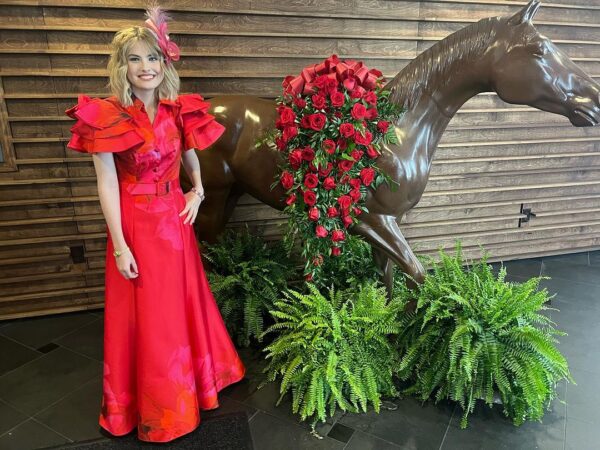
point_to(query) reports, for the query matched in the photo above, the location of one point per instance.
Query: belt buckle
(163, 187)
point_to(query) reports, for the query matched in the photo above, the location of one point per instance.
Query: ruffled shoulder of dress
(102, 126)
(200, 129)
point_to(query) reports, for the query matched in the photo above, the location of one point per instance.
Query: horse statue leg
(389, 246)
(386, 266)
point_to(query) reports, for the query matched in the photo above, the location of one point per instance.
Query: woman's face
(144, 71)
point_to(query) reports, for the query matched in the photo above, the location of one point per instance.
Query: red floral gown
(166, 349)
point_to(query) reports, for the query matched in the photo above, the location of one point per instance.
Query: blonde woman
(166, 349)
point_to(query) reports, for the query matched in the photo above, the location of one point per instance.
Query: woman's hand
(127, 265)
(193, 199)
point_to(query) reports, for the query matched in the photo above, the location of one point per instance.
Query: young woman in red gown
(166, 349)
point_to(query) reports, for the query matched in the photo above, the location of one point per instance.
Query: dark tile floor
(50, 386)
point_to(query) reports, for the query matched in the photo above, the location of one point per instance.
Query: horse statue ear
(526, 14)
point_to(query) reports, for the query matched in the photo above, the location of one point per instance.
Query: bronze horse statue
(505, 55)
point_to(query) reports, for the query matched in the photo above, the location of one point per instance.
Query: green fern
(246, 278)
(353, 267)
(474, 334)
(333, 350)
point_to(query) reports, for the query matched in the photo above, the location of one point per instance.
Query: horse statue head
(506, 55)
(529, 69)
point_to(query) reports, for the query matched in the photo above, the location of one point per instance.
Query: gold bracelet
(195, 191)
(118, 253)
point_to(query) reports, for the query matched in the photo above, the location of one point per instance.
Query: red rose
(338, 114)
(347, 220)
(289, 133)
(359, 111)
(308, 154)
(318, 101)
(347, 130)
(383, 126)
(342, 143)
(311, 181)
(310, 198)
(324, 172)
(372, 113)
(329, 183)
(344, 201)
(317, 121)
(291, 200)
(286, 115)
(314, 214)
(295, 158)
(305, 122)
(312, 166)
(332, 84)
(357, 154)
(355, 183)
(370, 97)
(372, 152)
(287, 179)
(321, 231)
(308, 277)
(344, 165)
(337, 99)
(357, 211)
(321, 82)
(345, 179)
(336, 251)
(300, 102)
(367, 175)
(280, 143)
(356, 93)
(317, 260)
(355, 194)
(338, 236)
(332, 212)
(363, 140)
(349, 83)
(329, 146)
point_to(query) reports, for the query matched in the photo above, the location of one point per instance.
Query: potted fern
(333, 350)
(246, 276)
(474, 335)
(353, 267)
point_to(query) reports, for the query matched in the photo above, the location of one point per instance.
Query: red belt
(158, 188)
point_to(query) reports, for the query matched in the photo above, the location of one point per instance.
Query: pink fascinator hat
(157, 23)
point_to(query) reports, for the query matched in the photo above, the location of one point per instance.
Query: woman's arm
(108, 190)
(193, 199)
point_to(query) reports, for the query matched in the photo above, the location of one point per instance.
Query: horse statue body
(505, 55)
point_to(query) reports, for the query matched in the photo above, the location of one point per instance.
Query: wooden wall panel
(494, 159)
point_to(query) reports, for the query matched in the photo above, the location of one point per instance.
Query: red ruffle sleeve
(101, 127)
(199, 128)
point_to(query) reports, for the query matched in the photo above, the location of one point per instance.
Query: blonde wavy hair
(117, 65)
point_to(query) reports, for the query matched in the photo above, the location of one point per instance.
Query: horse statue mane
(505, 55)
(428, 71)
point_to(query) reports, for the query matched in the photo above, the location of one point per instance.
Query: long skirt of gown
(167, 352)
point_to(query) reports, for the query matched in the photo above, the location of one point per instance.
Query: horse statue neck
(434, 86)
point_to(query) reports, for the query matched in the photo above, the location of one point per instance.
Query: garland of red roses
(332, 120)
